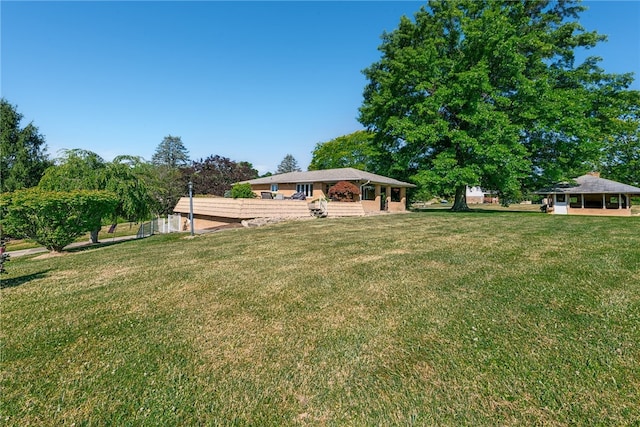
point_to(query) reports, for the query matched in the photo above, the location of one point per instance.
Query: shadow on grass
(472, 210)
(103, 244)
(21, 280)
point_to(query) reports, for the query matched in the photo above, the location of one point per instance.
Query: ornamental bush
(54, 218)
(242, 191)
(344, 191)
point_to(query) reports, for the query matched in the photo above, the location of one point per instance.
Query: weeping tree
(128, 178)
(488, 93)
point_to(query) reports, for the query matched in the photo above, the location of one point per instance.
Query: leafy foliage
(75, 169)
(54, 218)
(487, 93)
(242, 191)
(621, 160)
(216, 174)
(170, 156)
(344, 191)
(355, 150)
(127, 177)
(288, 164)
(171, 152)
(23, 157)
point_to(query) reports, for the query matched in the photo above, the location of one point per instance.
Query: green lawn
(485, 318)
(122, 229)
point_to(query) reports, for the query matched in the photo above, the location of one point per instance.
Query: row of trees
(55, 201)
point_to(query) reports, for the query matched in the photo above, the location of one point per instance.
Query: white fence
(171, 224)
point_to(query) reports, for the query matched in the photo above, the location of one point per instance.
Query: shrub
(242, 191)
(54, 218)
(344, 191)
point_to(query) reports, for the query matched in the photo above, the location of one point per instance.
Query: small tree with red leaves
(344, 191)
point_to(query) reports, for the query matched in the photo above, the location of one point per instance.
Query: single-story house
(274, 198)
(377, 192)
(589, 195)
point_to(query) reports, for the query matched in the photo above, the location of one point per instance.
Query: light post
(191, 205)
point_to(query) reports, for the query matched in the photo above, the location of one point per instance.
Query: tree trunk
(460, 203)
(94, 236)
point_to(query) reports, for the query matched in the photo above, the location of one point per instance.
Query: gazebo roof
(329, 175)
(591, 184)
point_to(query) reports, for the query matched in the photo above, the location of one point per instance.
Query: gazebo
(589, 195)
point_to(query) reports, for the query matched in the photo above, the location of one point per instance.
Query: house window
(274, 188)
(307, 189)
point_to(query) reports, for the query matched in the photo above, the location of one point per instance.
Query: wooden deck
(211, 211)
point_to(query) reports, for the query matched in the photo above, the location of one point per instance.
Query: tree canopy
(54, 218)
(621, 156)
(127, 177)
(23, 156)
(288, 164)
(488, 93)
(355, 150)
(171, 152)
(216, 174)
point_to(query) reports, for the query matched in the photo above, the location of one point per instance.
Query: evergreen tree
(171, 152)
(288, 164)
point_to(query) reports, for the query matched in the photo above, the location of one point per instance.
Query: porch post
(388, 197)
(604, 201)
(582, 201)
(619, 201)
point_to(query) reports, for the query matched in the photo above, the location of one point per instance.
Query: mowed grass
(122, 229)
(485, 318)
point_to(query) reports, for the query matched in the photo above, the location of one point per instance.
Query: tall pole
(191, 205)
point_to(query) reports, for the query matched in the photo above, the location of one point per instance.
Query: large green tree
(488, 93)
(621, 157)
(355, 150)
(23, 154)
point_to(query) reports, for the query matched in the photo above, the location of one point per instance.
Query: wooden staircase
(318, 208)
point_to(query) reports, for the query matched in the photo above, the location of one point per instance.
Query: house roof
(328, 175)
(590, 184)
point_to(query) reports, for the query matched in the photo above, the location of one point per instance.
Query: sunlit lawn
(485, 318)
(122, 229)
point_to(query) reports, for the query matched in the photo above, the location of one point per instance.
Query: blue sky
(252, 81)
